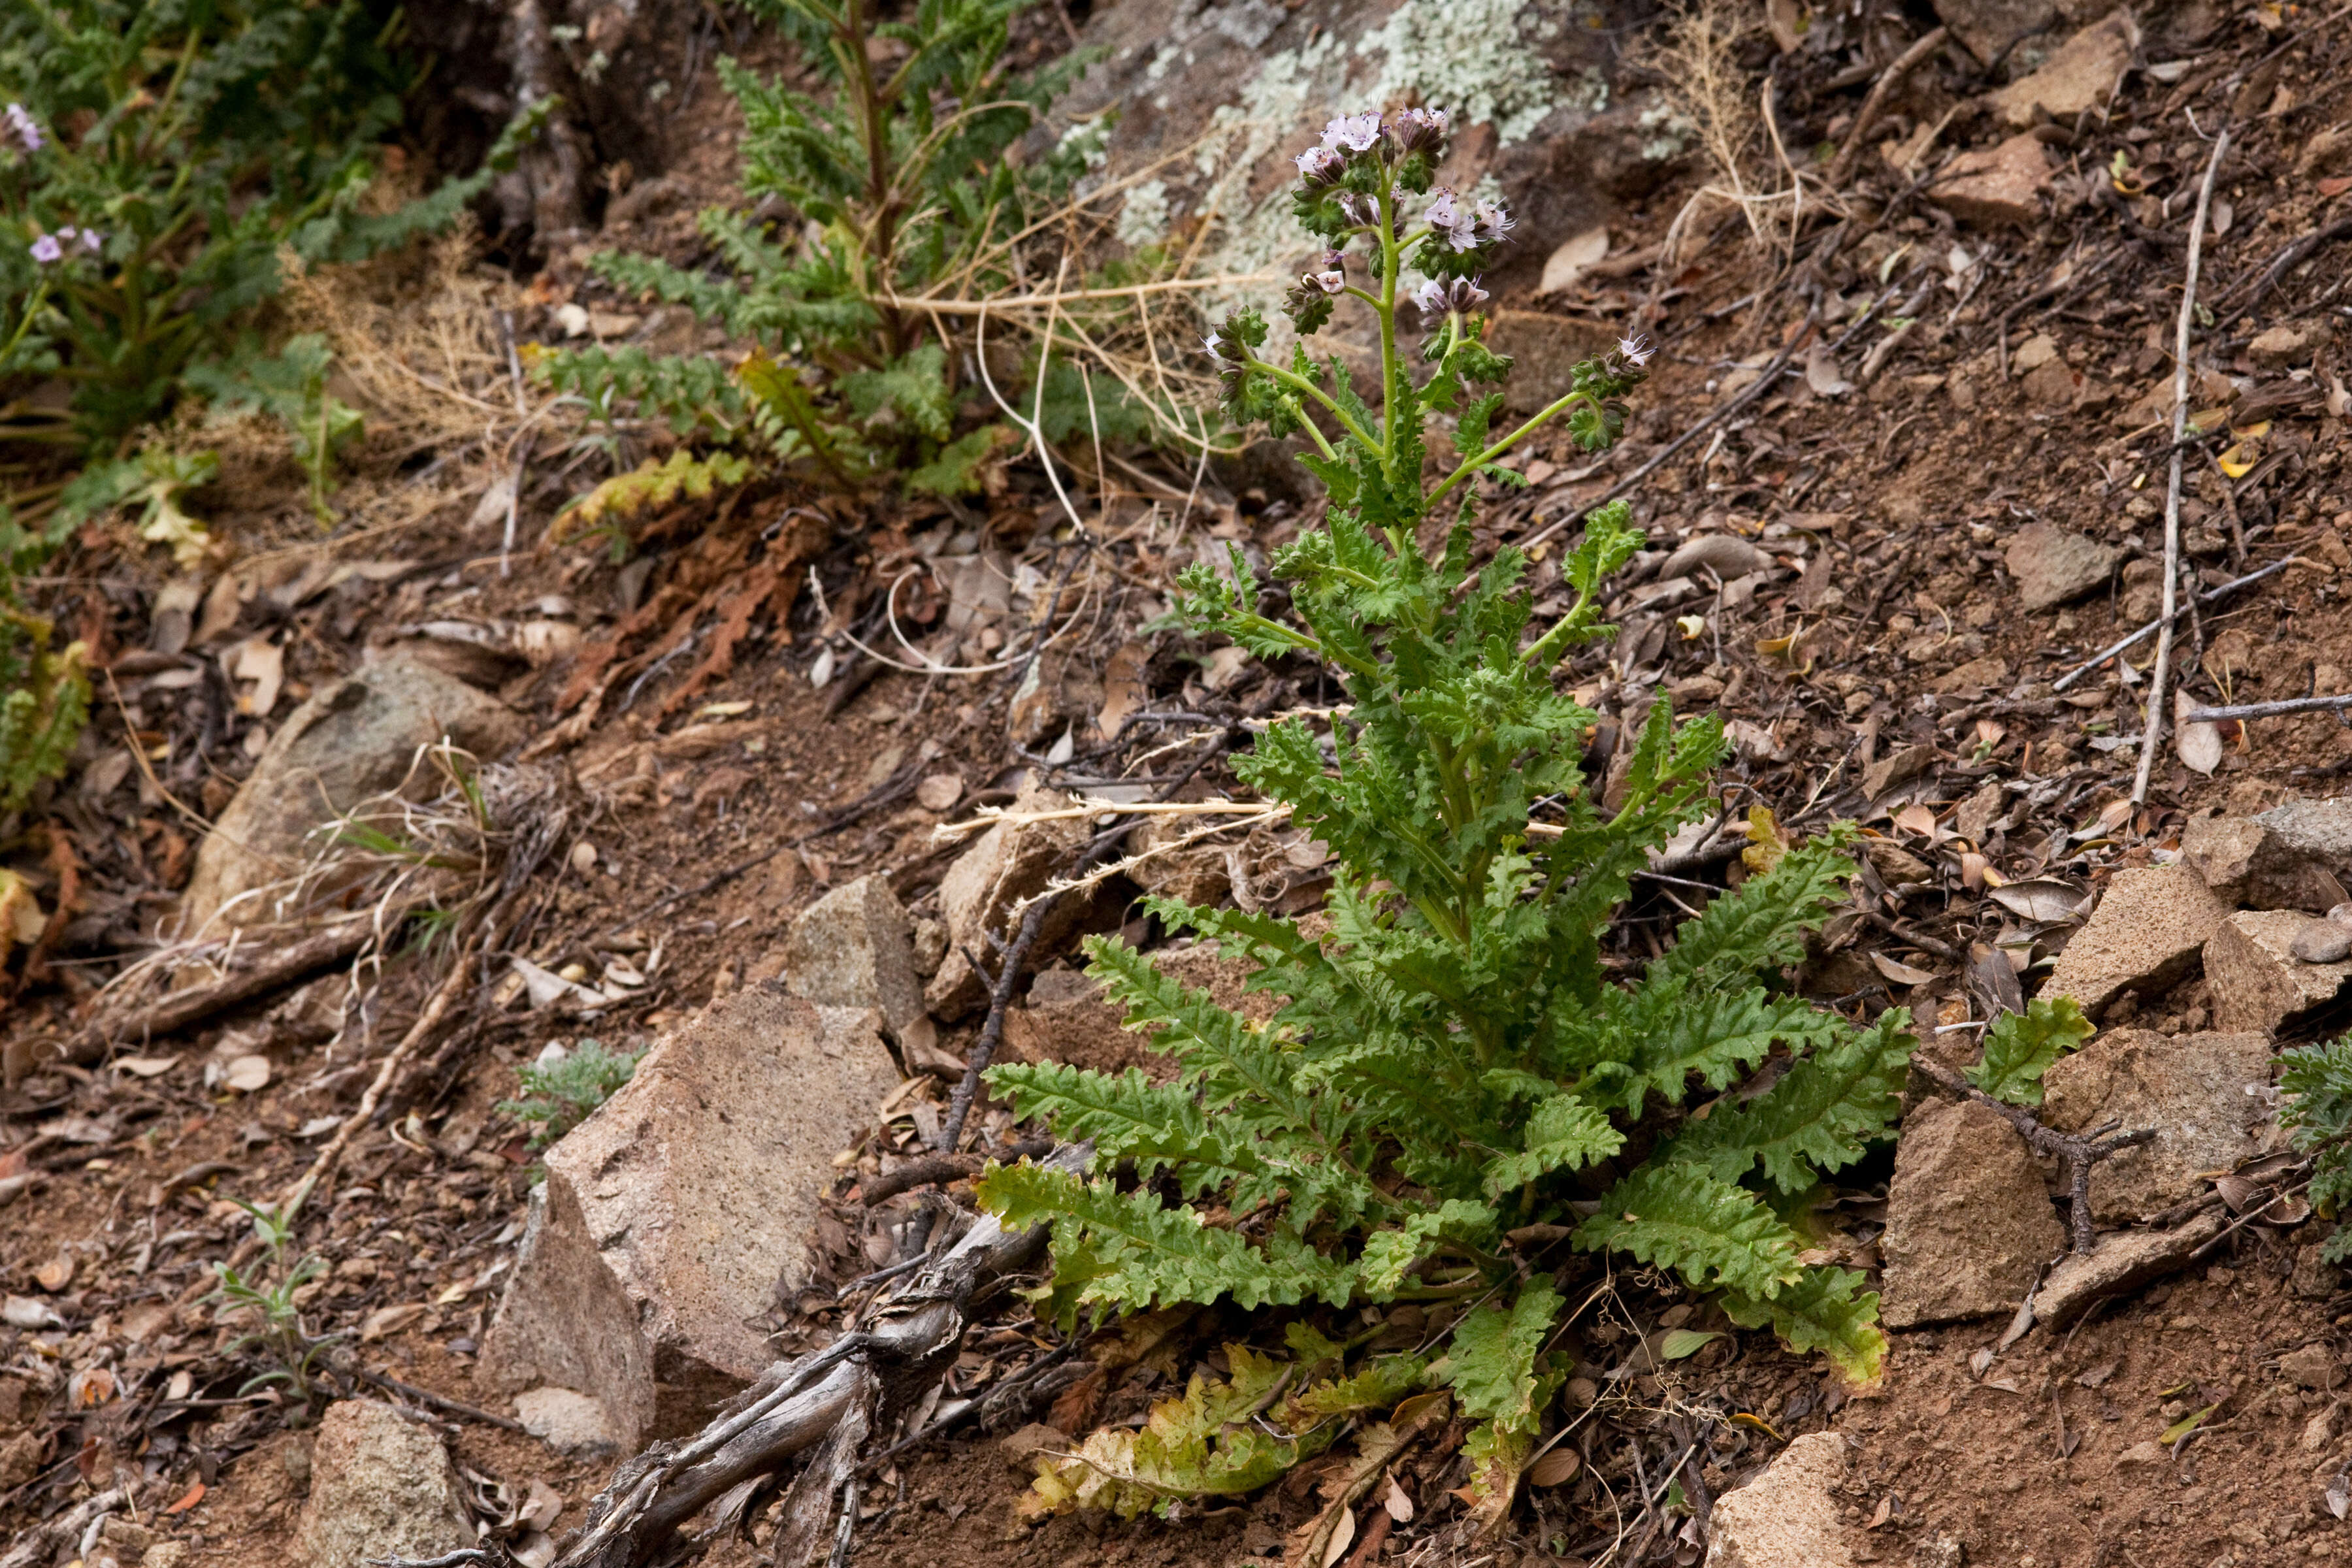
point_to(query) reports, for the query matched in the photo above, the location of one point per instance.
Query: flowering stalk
(1357, 183)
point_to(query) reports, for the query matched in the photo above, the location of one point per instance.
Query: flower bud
(1441, 296)
(1319, 166)
(1419, 131)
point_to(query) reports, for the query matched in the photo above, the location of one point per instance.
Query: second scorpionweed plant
(1461, 1090)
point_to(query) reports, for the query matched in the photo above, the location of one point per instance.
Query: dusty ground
(1889, 620)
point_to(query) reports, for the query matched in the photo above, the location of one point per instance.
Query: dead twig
(2075, 1155)
(1888, 81)
(2213, 595)
(2152, 724)
(2268, 709)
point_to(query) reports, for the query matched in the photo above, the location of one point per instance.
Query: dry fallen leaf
(2199, 745)
(1917, 819)
(1393, 1499)
(188, 1499)
(1555, 1468)
(247, 1074)
(89, 1388)
(1899, 972)
(146, 1067)
(388, 1320)
(1572, 258)
(263, 663)
(2051, 900)
(1343, 1535)
(57, 1273)
(940, 792)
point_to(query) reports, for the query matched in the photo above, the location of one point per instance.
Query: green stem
(1536, 422)
(1385, 308)
(1298, 382)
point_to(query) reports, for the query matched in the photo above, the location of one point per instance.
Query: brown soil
(1888, 508)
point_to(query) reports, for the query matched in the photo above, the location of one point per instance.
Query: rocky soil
(1904, 465)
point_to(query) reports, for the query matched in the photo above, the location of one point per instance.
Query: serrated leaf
(2021, 1047)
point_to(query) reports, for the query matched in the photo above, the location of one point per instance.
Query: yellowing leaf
(2185, 1425)
(20, 913)
(2238, 460)
(1766, 842)
(1692, 628)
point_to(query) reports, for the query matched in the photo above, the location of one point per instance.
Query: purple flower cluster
(23, 130)
(1469, 228)
(49, 249)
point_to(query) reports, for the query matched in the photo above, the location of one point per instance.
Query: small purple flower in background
(1320, 165)
(46, 251)
(23, 129)
(1352, 133)
(1635, 350)
(1415, 130)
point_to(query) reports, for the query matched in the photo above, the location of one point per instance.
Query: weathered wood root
(816, 1411)
(2075, 1154)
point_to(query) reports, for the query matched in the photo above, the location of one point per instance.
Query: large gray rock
(380, 1486)
(1003, 865)
(1787, 1517)
(2191, 1089)
(2119, 1262)
(2257, 981)
(855, 948)
(1968, 1218)
(2297, 856)
(674, 1215)
(355, 739)
(2149, 933)
(2053, 564)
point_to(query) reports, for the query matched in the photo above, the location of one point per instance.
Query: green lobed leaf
(2021, 1047)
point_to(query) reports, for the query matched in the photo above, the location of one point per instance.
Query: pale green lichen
(1143, 216)
(1671, 133)
(1474, 58)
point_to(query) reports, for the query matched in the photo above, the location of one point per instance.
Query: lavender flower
(46, 251)
(1635, 350)
(1442, 296)
(1352, 133)
(1419, 130)
(1490, 223)
(91, 240)
(1320, 166)
(23, 127)
(1445, 217)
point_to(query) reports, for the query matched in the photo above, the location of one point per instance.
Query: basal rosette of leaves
(2317, 1083)
(1459, 1092)
(897, 176)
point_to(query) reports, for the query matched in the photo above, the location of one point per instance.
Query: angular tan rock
(2259, 985)
(1787, 1517)
(1996, 187)
(2297, 856)
(2119, 1262)
(2083, 74)
(380, 1486)
(1004, 864)
(855, 948)
(673, 1215)
(1969, 1217)
(2148, 932)
(357, 736)
(2053, 564)
(2191, 1089)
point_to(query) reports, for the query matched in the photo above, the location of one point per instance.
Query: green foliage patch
(558, 1095)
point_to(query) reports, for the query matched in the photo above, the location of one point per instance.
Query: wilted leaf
(2050, 901)
(187, 1500)
(146, 1067)
(1917, 819)
(2238, 460)
(1898, 971)
(2185, 1425)
(2199, 745)
(89, 1388)
(1398, 1506)
(1822, 373)
(387, 1320)
(247, 1073)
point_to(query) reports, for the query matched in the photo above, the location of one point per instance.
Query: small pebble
(2341, 914)
(2322, 942)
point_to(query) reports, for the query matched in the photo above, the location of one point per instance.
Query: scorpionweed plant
(263, 1299)
(1461, 1089)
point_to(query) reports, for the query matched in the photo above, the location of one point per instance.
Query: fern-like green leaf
(1817, 1118)
(1139, 1253)
(1713, 1233)
(1491, 1366)
(1563, 1132)
(1826, 1311)
(2021, 1047)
